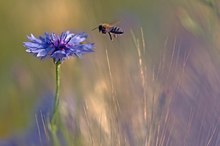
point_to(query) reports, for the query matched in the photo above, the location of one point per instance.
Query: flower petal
(42, 53)
(32, 45)
(58, 47)
(78, 38)
(34, 39)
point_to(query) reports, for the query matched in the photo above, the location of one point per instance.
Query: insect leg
(110, 36)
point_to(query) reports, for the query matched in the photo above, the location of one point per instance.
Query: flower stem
(56, 102)
(55, 117)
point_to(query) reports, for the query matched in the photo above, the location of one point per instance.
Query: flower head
(58, 47)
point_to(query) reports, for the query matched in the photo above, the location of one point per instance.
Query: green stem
(56, 103)
(55, 117)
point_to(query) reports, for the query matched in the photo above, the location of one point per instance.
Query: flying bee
(110, 29)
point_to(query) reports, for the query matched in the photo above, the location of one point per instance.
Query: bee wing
(115, 23)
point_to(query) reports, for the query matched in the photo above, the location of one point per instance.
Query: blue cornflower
(58, 47)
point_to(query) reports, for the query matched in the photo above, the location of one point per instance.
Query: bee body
(116, 30)
(111, 30)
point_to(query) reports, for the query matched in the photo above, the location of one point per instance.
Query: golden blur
(53, 12)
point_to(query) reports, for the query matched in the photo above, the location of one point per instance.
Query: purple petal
(77, 38)
(42, 53)
(32, 45)
(58, 47)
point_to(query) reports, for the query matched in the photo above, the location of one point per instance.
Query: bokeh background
(157, 85)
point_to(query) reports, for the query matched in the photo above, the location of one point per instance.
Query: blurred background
(156, 85)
